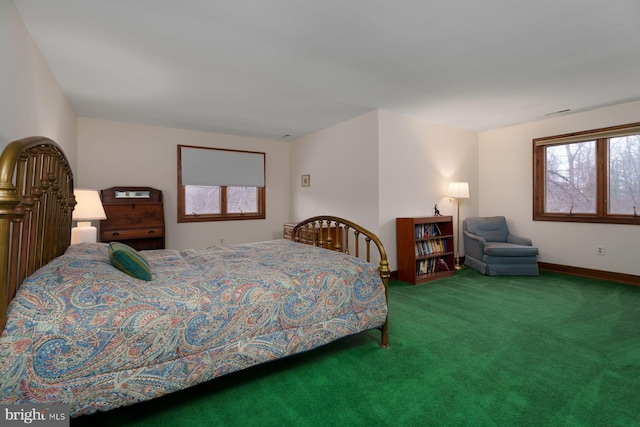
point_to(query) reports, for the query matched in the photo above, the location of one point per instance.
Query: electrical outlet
(599, 250)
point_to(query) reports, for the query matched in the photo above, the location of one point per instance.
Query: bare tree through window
(590, 176)
(571, 178)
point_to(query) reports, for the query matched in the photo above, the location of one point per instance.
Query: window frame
(183, 217)
(601, 136)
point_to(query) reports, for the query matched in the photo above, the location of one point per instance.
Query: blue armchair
(492, 250)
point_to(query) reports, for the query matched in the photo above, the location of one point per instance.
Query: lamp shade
(458, 190)
(88, 206)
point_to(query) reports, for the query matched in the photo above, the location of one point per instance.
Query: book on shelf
(428, 266)
(425, 231)
(428, 247)
(442, 265)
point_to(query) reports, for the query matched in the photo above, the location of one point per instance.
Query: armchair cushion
(500, 249)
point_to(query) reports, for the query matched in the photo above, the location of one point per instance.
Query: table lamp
(88, 208)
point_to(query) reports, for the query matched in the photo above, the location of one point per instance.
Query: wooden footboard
(36, 202)
(338, 234)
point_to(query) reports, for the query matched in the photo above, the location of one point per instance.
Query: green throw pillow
(127, 259)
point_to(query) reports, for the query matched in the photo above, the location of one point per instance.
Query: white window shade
(216, 167)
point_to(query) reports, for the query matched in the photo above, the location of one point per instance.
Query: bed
(78, 331)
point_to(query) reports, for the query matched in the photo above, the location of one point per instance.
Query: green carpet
(468, 350)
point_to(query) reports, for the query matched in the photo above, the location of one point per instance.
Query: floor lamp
(457, 191)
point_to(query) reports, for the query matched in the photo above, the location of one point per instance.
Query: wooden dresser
(135, 216)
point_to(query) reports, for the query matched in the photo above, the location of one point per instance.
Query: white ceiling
(269, 68)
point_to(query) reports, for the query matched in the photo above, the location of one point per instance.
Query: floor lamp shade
(88, 208)
(457, 191)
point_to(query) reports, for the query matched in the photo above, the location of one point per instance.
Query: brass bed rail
(36, 202)
(339, 234)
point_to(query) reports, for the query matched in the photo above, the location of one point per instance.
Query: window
(591, 176)
(217, 184)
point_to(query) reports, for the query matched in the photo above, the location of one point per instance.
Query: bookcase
(425, 248)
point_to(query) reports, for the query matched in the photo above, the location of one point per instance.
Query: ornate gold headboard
(36, 202)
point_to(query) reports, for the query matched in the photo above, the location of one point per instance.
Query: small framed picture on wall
(306, 180)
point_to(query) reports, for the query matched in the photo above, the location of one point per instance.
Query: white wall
(506, 186)
(31, 101)
(119, 154)
(343, 163)
(417, 161)
(379, 166)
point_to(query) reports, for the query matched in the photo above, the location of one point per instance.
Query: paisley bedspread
(82, 333)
